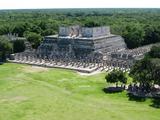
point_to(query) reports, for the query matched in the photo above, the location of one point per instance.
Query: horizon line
(79, 8)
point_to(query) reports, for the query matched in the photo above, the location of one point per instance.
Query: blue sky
(27, 4)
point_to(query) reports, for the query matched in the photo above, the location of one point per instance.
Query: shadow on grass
(136, 97)
(155, 103)
(113, 89)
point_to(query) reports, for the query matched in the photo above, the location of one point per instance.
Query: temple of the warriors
(82, 41)
(84, 49)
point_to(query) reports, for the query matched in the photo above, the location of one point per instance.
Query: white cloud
(23, 4)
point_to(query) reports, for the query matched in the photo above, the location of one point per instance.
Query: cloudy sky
(27, 4)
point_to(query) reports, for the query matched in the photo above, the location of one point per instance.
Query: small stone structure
(14, 36)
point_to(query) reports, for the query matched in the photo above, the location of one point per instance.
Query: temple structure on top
(82, 41)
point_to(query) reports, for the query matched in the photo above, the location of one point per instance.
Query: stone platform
(49, 65)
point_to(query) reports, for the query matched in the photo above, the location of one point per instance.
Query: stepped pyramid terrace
(82, 41)
(84, 49)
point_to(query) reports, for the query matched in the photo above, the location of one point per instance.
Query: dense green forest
(137, 26)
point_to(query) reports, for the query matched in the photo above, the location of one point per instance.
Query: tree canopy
(34, 38)
(138, 26)
(116, 76)
(155, 52)
(18, 46)
(5, 47)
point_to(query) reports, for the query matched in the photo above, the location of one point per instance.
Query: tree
(116, 76)
(19, 29)
(5, 47)
(36, 29)
(5, 29)
(146, 72)
(18, 46)
(155, 52)
(149, 35)
(152, 34)
(133, 36)
(141, 72)
(34, 38)
(91, 23)
(156, 70)
(155, 60)
(48, 32)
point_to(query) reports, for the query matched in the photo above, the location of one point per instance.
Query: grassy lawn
(29, 93)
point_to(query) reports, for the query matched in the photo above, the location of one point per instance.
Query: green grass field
(29, 93)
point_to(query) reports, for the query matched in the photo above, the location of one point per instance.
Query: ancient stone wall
(101, 31)
(87, 32)
(64, 31)
(95, 31)
(72, 31)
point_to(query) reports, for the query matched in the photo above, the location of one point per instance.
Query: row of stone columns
(73, 62)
